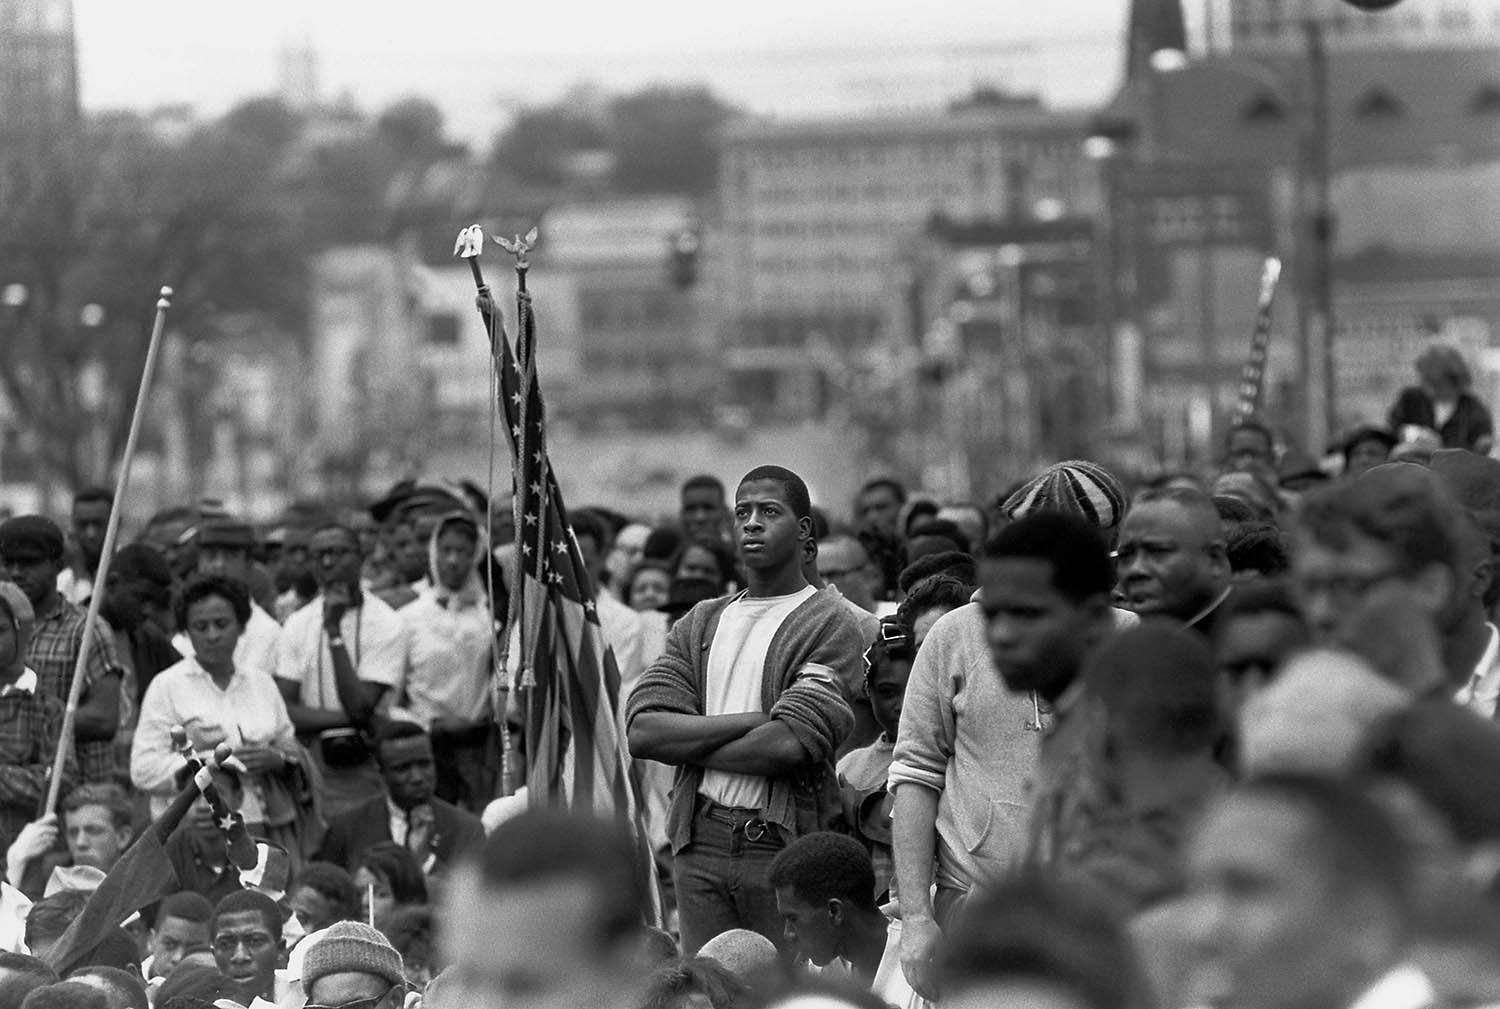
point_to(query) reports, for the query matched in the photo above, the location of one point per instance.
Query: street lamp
(1314, 218)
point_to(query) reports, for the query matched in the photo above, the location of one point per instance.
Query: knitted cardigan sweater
(819, 632)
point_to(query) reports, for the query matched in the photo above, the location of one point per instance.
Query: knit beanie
(1077, 487)
(351, 947)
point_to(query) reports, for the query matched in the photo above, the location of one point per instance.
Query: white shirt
(1481, 694)
(401, 832)
(257, 645)
(733, 681)
(448, 672)
(249, 711)
(1404, 987)
(374, 636)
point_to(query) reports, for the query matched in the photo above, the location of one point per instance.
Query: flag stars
(530, 518)
(561, 548)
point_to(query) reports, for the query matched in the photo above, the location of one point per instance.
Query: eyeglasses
(363, 1003)
(255, 942)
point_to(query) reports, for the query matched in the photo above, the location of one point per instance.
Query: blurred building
(1011, 370)
(38, 70)
(818, 219)
(1270, 26)
(1215, 163)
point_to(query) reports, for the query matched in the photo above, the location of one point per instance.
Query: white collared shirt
(249, 711)
(1481, 693)
(450, 646)
(400, 828)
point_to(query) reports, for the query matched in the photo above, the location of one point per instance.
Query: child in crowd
(862, 772)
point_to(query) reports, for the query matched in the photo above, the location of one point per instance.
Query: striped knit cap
(1076, 487)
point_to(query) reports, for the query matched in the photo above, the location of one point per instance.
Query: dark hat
(226, 532)
(138, 560)
(1369, 432)
(429, 497)
(351, 947)
(31, 536)
(383, 509)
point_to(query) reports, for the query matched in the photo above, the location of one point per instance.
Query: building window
(1486, 101)
(1263, 110)
(1378, 103)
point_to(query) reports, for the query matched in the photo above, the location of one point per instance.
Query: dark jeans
(721, 877)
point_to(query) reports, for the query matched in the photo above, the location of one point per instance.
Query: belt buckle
(755, 830)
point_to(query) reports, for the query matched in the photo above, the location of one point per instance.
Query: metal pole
(1322, 223)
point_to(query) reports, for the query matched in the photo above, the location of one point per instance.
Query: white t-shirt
(733, 680)
(373, 634)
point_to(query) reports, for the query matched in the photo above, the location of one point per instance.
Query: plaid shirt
(29, 723)
(53, 652)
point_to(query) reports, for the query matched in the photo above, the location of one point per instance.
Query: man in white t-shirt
(747, 704)
(825, 886)
(338, 660)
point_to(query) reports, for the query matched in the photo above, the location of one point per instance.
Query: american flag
(565, 673)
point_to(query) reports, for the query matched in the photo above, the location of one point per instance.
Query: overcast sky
(479, 57)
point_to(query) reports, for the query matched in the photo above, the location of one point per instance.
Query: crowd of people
(1204, 739)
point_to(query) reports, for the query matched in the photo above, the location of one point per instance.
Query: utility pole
(1322, 225)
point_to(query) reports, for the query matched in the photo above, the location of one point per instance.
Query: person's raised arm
(357, 697)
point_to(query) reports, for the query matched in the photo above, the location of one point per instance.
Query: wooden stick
(75, 689)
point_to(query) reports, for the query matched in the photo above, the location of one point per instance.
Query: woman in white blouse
(214, 700)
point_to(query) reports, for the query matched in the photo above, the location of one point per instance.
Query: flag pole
(520, 247)
(469, 245)
(111, 531)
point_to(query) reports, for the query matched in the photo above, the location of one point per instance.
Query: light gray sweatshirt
(965, 736)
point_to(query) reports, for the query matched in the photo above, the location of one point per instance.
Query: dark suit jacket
(369, 823)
